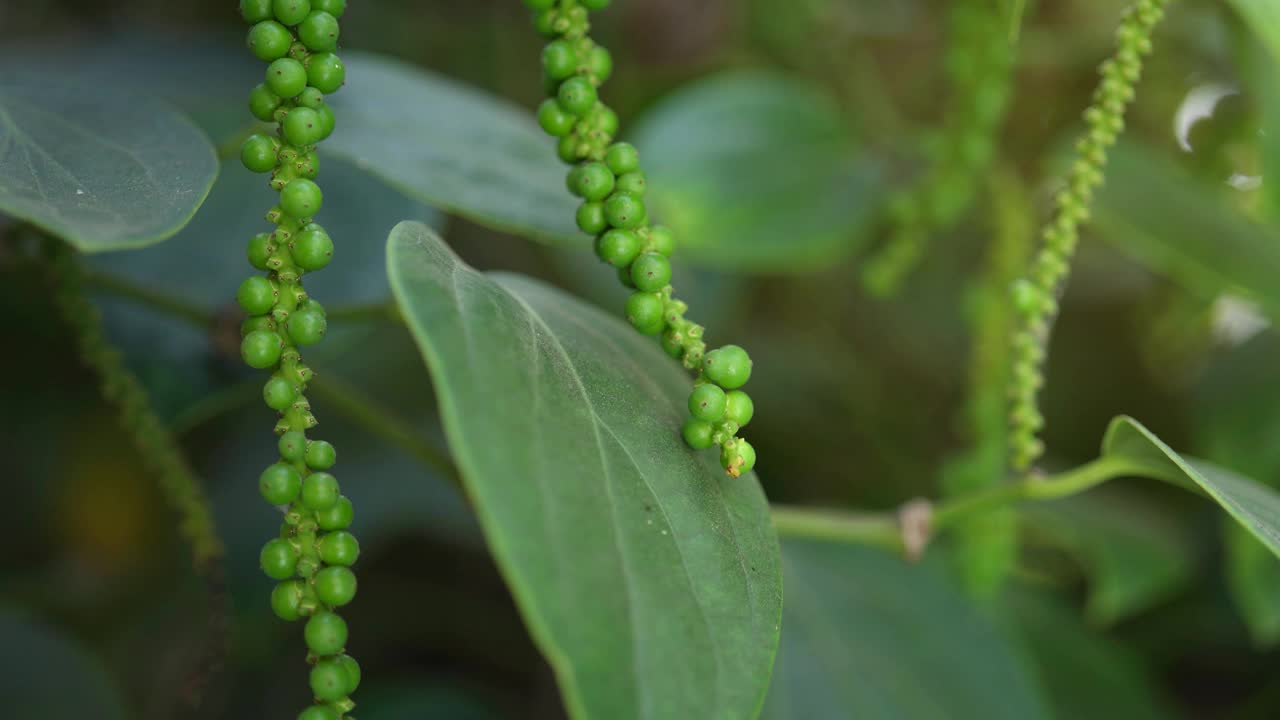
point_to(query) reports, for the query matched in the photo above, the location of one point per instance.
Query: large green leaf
(1176, 225)
(98, 166)
(649, 579)
(758, 172)
(1263, 17)
(868, 636)
(48, 675)
(1254, 506)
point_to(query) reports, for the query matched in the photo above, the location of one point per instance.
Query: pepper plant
(580, 427)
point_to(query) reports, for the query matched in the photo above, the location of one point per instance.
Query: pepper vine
(607, 175)
(313, 554)
(1035, 296)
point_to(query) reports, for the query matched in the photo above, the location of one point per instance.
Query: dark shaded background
(856, 395)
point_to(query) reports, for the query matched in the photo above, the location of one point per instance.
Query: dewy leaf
(452, 146)
(1254, 506)
(49, 675)
(1176, 225)
(649, 579)
(756, 171)
(100, 167)
(868, 636)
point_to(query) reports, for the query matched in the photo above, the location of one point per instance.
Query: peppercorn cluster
(979, 64)
(312, 557)
(607, 175)
(1035, 296)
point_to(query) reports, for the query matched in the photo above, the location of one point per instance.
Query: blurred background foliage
(1128, 602)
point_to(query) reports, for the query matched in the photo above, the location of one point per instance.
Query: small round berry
(590, 218)
(729, 367)
(632, 183)
(256, 295)
(327, 120)
(325, 633)
(302, 127)
(292, 445)
(591, 181)
(607, 121)
(321, 455)
(319, 491)
(644, 312)
(286, 600)
(312, 249)
(261, 349)
(554, 120)
(739, 407)
(335, 586)
(706, 403)
(319, 31)
(280, 484)
(279, 559)
(310, 98)
(307, 327)
(259, 250)
(263, 103)
(600, 63)
(286, 77)
(329, 681)
(577, 95)
(747, 454)
(353, 672)
(301, 198)
(334, 7)
(651, 272)
(624, 211)
(258, 153)
(662, 240)
(567, 148)
(255, 10)
(291, 12)
(279, 394)
(325, 72)
(619, 248)
(622, 158)
(624, 277)
(338, 517)
(1026, 297)
(544, 20)
(339, 548)
(269, 40)
(559, 60)
(673, 342)
(697, 434)
(319, 712)
(261, 322)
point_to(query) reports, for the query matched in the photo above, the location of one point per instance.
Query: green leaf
(100, 167)
(48, 675)
(758, 172)
(1176, 225)
(648, 578)
(1254, 506)
(459, 148)
(869, 636)
(1263, 17)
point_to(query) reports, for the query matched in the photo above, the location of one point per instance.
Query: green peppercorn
(327, 120)
(269, 40)
(600, 63)
(329, 680)
(559, 60)
(590, 218)
(334, 7)
(256, 295)
(312, 248)
(280, 484)
(279, 394)
(554, 120)
(697, 434)
(651, 272)
(619, 248)
(301, 198)
(338, 517)
(261, 322)
(319, 31)
(591, 181)
(325, 633)
(321, 455)
(707, 403)
(263, 103)
(259, 250)
(739, 408)
(325, 72)
(307, 327)
(339, 548)
(644, 312)
(279, 559)
(662, 240)
(291, 12)
(286, 600)
(577, 95)
(292, 446)
(622, 158)
(353, 672)
(632, 183)
(624, 211)
(302, 127)
(319, 712)
(254, 11)
(335, 586)
(286, 77)
(261, 349)
(319, 491)
(729, 367)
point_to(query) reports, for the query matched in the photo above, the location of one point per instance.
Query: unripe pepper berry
(644, 312)
(325, 72)
(325, 633)
(329, 680)
(279, 394)
(292, 445)
(622, 158)
(338, 517)
(353, 672)
(279, 559)
(269, 40)
(334, 7)
(577, 95)
(624, 211)
(263, 103)
(291, 12)
(707, 403)
(302, 127)
(280, 484)
(319, 31)
(301, 198)
(591, 218)
(739, 408)
(307, 327)
(559, 60)
(321, 455)
(256, 295)
(339, 548)
(261, 349)
(651, 272)
(729, 367)
(697, 434)
(319, 491)
(259, 251)
(554, 120)
(619, 248)
(592, 181)
(286, 600)
(312, 248)
(255, 10)
(335, 586)
(319, 712)
(286, 77)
